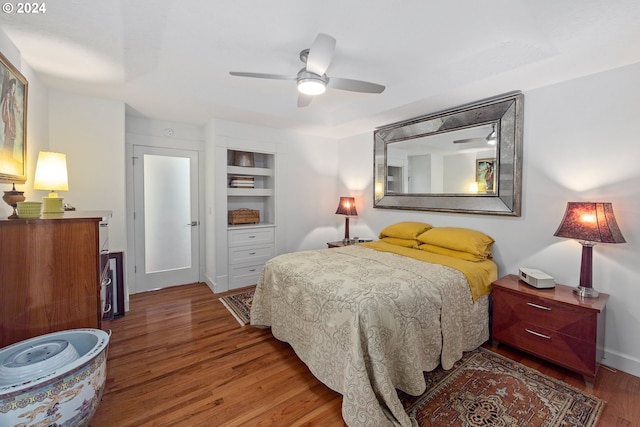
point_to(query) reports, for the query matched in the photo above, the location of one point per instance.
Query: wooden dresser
(553, 324)
(51, 273)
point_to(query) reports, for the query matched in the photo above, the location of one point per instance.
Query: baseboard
(622, 362)
(210, 283)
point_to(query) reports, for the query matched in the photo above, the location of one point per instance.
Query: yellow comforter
(479, 274)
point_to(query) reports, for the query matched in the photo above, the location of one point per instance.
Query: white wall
(580, 144)
(90, 131)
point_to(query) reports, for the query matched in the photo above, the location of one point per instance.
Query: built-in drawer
(251, 236)
(253, 253)
(548, 314)
(244, 274)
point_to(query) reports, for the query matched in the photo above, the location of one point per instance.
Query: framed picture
(13, 134)
(486, 175)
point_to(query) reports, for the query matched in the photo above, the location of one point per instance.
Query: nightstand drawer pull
(538, 334)
(541, 307)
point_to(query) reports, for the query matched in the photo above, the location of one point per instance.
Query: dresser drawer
(244, 274)
(566, 319)
(253, 253)
(251, 236)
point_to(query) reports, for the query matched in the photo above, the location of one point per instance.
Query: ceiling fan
(312, 79)
(489, 139)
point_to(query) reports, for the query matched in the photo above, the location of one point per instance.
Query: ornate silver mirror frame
(504, 113)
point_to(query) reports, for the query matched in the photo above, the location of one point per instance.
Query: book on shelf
(242, 182)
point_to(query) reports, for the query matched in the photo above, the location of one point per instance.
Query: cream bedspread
(367, 322)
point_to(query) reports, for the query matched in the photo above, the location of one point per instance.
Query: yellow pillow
(404, 230)
(452, 253)
(406, 243)
(459, 239)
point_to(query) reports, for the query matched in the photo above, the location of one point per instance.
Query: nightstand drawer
(258, 253)
(566, 319)
(571, 352)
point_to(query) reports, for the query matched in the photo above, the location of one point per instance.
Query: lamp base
(586, 292)
(52, 205)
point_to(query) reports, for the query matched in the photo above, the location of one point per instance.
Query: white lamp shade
(51, 172)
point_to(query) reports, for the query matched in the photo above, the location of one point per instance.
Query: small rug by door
(239, 304)
(487, 389)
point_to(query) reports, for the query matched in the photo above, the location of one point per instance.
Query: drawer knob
(251, 237)
(252, 269)
(541, 307)
(252, 253)
(538, 334)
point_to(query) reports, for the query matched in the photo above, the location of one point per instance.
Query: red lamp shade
(590, 223)
(347, 207)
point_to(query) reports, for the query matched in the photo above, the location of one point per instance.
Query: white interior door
(165, 217)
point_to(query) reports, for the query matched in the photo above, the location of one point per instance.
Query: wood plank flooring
(179, 358)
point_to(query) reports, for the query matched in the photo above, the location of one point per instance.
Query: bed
(368, 319)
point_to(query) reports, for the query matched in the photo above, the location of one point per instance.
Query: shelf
(242, 170)
(259, 225)
(249, 192)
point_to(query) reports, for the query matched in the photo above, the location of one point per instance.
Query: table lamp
(51, 174)
(347, 207)
(590, 223)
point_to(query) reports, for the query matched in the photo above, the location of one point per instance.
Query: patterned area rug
(483, 389)
(239, 305)
(486, 389)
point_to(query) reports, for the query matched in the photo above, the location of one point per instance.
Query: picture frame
(486, 175)
(115, 292)
(14, 90)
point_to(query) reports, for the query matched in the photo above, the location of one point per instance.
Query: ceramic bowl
(28, 210)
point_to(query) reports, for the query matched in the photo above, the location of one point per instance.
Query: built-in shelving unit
(246, 246)
(261, 196)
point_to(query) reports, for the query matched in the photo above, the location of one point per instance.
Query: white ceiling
(170, 59)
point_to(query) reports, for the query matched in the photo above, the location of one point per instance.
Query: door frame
(132, 139)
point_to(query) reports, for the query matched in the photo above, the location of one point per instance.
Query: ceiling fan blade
(321, 54)
(467, 140)
(304, 100)
(262, 75)
(355, 85)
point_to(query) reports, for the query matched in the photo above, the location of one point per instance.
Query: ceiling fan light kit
(310, 84)
(312, 80)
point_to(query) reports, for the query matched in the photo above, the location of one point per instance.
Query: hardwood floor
(178, 358)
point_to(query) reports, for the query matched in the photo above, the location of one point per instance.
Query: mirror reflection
(467, 159)
(457, 162)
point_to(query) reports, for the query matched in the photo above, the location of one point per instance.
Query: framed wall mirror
(467, 159)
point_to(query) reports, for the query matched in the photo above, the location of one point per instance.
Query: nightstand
(553, 324)
(339, 244)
